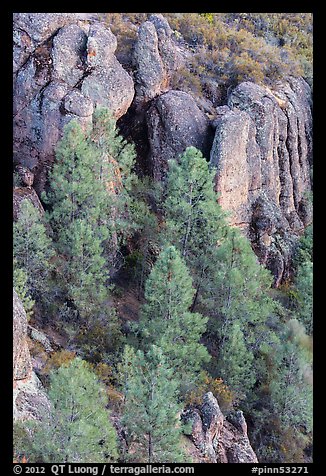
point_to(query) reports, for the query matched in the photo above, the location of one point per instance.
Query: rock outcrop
(64, 65)
(25, 193)
(155, 57)
(262, 150)
(175, 122)
(218, 439)
(29, 398)
(22, 366)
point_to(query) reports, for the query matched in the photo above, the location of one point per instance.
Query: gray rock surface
(262, 150)
(155, 57)
(219, 440)
(175, 122)
(68, 47)
(64, 65)
(30, 401)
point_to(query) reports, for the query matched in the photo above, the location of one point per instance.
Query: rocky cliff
(29, 398)
(260, 141)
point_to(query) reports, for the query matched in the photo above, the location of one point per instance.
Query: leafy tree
(33, 250)
(166, 319)
(150, 412)
(77, 429)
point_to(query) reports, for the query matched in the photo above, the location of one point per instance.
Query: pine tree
(166, 319)
(302, 292)
(235, 362)
(281, 408)
(303, 286)
(89, 199)
(291, 388)
(32, 250)
(78, 428)
(195, 223)
(240, 291)
(231, 286)
(150, 412)
(20, 285)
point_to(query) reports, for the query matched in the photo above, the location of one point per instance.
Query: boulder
(40, 26)
(150, 75)
(219, 439)
(262, 150)
(29, 398)
(175, 122)
(111, 87)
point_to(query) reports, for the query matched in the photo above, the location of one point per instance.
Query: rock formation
(175, 122)
(25, 193)
(262, 151)
(29, 398)
(155, 58)
(64, 65)
(218, 439)
(21, 359)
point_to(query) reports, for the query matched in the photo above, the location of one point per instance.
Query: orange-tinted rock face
(22, 367)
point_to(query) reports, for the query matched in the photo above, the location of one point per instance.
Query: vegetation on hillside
(207, 318)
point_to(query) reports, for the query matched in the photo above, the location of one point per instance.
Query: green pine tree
(231, 286)
(240, 291)
(195, 223)
(78, 428)
(89, 200)
(235, 362)
(302, 291)
(282, 405)
(32, 250)
(20, 285)
(151, 411)
(166, 319)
